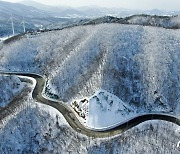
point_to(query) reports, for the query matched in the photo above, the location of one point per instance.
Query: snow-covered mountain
(37, 128)
(95, 11)
(39, 16)
(7, 8)
(169, 22)
(33, 17)
(35, 4)
(136, 68)
(138, 64)
(17, 11)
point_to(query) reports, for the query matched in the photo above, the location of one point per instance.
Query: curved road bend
(73, 120)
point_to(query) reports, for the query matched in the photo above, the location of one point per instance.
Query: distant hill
(39, 16)
(35, 4)
(52, 10)
(168, 22)
(19, 10)
(34, 18)
(94, 11)
(171, 22)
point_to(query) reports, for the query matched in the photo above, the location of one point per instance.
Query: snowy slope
(10, 88)
(140, 65)
(102, 110)
(106, 110)
(48, 132)
(137, 67)
(38, 128)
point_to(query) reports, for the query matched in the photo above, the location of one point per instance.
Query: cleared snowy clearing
(103, 110)
(106, 110)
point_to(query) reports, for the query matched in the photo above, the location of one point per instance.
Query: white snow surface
(107, 110)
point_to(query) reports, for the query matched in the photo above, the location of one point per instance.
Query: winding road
(74, 121)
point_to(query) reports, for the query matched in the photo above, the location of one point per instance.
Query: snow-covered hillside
(38, 128)
(137, 67)
(41, 129)
(140, 65)
(11, 86)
